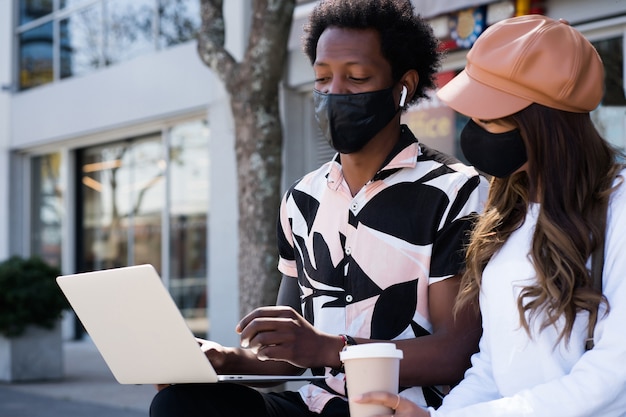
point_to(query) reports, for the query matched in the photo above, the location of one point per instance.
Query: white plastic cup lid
(370, 350)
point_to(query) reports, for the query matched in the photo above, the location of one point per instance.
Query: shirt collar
(403, 155)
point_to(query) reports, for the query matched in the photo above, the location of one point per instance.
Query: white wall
(146, 88)
(5, 111)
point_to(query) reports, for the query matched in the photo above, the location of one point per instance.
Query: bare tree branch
(211, 38)
(268, 44)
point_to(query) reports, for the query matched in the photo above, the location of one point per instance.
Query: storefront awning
(431, 8)
(426, 8)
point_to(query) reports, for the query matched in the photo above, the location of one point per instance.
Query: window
(434, 123)
(30, 10)
(36, 56)
(47, 207)
(189, 201)
(129, 29)
(80, 37)
(122, 194)
(439, 126)
(179, 21)
(66, 38)
(609, 116)
(72, 3)
(146, 200)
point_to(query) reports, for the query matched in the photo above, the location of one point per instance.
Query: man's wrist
(347, 340)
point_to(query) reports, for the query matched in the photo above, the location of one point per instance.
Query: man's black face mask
(350, 121)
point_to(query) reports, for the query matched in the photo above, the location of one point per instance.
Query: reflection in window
(71, 3)
(35, 56)
(189, 203)
(80, 42)
(124, 197)
(129, 29)
(179, 21)
(612, 55)
(145, 195)
(47, 207)
(30, 10)
(104, 240)
(610, 115)
(122, 194)
(63, 38)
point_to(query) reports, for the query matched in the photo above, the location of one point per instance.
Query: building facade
(117, 143)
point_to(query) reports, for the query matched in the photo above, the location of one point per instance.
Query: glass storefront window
(179, 21)
(610, 116)
(143, 199)
(129, 29)
(442, 130)
(434, 123)
(36, 56)
(30, 10)
(58, 39)
(123, 198)
(104, 238)
(71, 3)
(122, 195)
(430, 121)
(47, 207)
(80, 42)
(189, 204)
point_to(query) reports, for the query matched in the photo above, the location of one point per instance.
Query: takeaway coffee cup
(371, 367)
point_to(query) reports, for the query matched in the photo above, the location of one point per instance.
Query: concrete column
(6, 84)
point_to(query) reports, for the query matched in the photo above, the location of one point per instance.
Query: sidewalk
(88, 389)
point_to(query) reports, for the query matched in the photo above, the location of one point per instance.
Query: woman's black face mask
(350, 121)
(496, 154)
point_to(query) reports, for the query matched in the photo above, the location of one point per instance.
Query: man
(370, 244)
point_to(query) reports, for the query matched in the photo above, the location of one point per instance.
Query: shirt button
(349, 298)
(354, 206)
(348, 251)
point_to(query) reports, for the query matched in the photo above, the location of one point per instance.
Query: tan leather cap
(524, 60)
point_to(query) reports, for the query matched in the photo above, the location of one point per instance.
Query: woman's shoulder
(619, 186)
(617, 202)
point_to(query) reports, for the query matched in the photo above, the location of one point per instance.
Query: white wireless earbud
(403, 95)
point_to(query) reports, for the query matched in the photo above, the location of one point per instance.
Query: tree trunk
(253, 86)
(258, 148)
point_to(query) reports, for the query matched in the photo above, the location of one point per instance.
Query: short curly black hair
(407, 40)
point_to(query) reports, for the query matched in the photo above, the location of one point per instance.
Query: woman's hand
(401, 406)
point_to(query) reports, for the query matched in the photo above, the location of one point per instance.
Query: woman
(528, 87)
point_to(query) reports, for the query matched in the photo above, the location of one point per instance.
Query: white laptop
(139, 331)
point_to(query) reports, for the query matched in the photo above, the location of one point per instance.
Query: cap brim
(475, 99)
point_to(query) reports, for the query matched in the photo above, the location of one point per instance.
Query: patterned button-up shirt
(364, 262)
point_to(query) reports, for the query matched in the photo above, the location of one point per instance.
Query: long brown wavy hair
(570, 172)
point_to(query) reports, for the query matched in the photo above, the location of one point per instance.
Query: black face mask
(497, 154)
(350, 121)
